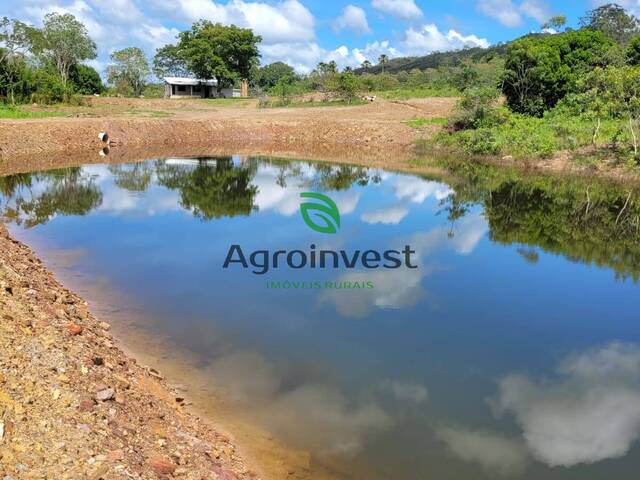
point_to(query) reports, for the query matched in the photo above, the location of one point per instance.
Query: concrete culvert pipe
(103, 136)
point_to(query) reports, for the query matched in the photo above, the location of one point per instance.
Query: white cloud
(502, 10)
(589, 414)
(121, 10)
(403, 9)
(353, 18)
(429, 39)
(372, 52)
(285, 21)
(493, 452)
(510, 14)
(388, 216)
(536, 9)
(286, 26)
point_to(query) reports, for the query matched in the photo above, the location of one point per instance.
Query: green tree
(613, 21)
(17, 40)
(212, 191)
(541, 70)
(129, 70)
(556, 23)
(346, 86)
(168, 62)
(382, 61)
(323, 75)
(464, 77)
(134, 177)
(226, 53)
(633, 52)
(65, 191)
(366, 65)
(85, 80)
(65, 42)
(615, 92)
(270, 75)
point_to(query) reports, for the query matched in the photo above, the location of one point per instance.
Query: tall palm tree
(382, 60)
(366, 65)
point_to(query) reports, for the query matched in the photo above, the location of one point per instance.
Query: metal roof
(190, 81)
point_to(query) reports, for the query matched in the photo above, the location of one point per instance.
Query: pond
(503, 340)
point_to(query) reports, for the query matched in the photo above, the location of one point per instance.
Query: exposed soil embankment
(375, 131)
(74, 406)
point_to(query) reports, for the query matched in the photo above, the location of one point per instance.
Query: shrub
(477, 108)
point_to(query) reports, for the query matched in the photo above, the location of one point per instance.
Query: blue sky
(305, 32)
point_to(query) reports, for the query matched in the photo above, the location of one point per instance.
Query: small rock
(98, 361)
(162, 466)
(223, 474)
(56, 394)
(115, 456)
(106, 394)
(119, 398)
(1, 431)
(104, 326)
(73, 328)
(86, 405)
(84, 427)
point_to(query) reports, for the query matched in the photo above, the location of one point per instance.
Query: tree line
(48, 64)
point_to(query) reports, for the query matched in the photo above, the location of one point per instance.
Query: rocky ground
(74, 406)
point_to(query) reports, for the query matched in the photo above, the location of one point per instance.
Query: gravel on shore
(73, 405)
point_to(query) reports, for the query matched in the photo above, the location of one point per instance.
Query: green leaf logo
(326, 211)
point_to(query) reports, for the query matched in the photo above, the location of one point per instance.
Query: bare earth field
(375, 131)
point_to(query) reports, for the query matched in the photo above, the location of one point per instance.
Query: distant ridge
(439, 59)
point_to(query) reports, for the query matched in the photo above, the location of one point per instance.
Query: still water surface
(513, 350)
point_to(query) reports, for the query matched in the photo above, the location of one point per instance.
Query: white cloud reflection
(589, 414)
(417, 190)
(402, 288)
(286, 200)
(388, 215)
(314, 415)
(495, 453)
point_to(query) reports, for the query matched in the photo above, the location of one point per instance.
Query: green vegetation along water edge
(577, 92)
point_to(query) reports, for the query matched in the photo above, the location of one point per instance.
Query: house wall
(190, 91)
(171, 91)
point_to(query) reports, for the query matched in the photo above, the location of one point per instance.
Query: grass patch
(15, 112)
(421, 122)
(409, 93)
(228, 102)
(522, 136)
